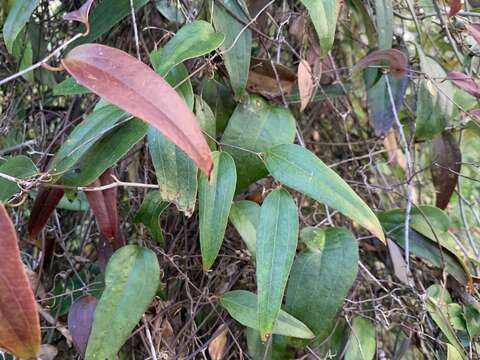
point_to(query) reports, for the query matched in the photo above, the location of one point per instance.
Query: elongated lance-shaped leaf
(20, 326)
(149, 214)
(242, 306)
(323, 14)
(16, 20)
(136, 88)
(80, 319)
(244, 216)
(131, 281)
(301, 170)
(215, 200)
(277, 235)
(45, 203)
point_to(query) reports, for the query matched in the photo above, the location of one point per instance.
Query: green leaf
(422, 242)
(323, 14)
(301, 170)
(69, 86)
(131, 281)
(23, 53)
(244, 216)
(215, 199)
(237, 46)
(255, 127)
(472, 319)
(16, 20)
(242, 306)
(85, 135)
(193, 40)
(321, 278)
(221, 101)
(453, 353)
(362, 343)
(384, 21)
(433, 110)
(105, 153)
(437, 306)
(20, 167)
(104, 16)
(207, 121)
(149, 214)
(277, 235)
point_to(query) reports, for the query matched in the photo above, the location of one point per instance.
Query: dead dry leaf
(216, 348)
(306, 85)
(395, 154)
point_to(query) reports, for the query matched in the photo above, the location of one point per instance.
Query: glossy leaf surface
(80, 319)
(277, 235)
(131, 281)
(244, 216)
(321, 277)
(323, 14)
(215, 200)
(20, 167)
(242, 306)
(20, 326)
(17, 18)
(255, 127)
(301, 170)
(133, 86)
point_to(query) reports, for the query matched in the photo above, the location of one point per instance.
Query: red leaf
(80, 319)
(464, 82)
(398, 61)
(455, 7)
(105, 209)
(474, 30)
(446, 166)
(81, 15)
(19, 323)
(136, 88)
(45, 203)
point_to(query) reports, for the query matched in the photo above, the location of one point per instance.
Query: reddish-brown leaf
(474, 31)
(464, 82)
(397, 59)
(455, 7)
(45, 203)
(306, 85)
(270, 80)
(104, 206)
(446, 166)
(19, 323)
(134, 87)
(81, 15)
(80, 319)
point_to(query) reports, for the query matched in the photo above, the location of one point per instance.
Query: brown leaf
(104, 206)
(464, 82)
(446, 159)
(19, 323)
(455, 7)
(306, 85)
(81, 15)
(131, 85)
(45, 203)
(398, 61)
(216, 348)
(395, 154)
(399, 264)
(80, 320)
(474, 31)
(262, 79)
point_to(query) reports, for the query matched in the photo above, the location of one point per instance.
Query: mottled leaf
(16, 20)
(361, 344)
(237, 47)
(242, 306)
(80, 319)
(323, 14)
(20, 167)
(255, 127)
(215, 199)
(301, 170)
(20, 326)
(446, 165)
(277, 234)
(149, 214)
(244, 216)
(131, 281)
(321, 277)
(133, 86)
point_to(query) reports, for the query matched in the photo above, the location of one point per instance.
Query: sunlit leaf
(301, 170)
(133, 86)
(131, 281)
(20, 326)
(242, 306)
(277, 234)
(215, 199)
